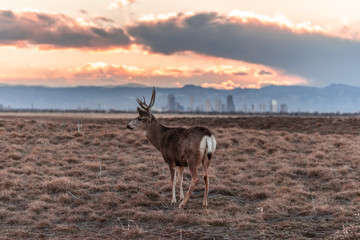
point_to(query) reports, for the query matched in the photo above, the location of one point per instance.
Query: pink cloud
(57, 31)
(100, 73)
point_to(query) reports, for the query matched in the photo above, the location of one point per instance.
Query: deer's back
(179, 145)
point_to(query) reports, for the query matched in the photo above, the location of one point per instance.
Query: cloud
(264, 72)
(228, 85)
(121, 4)
(104, 19)
(57, 31)
(83, 11)
(303, 50)
(100, 73)
(105, 70)
(240, 73)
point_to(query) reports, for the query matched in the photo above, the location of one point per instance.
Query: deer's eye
(139, 119)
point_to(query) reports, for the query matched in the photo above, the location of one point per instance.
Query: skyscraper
(262, 108)
(273, 106)
(283, 108)
(245, 107)
(171, 105)
(253, 107)
(191, 105)
(230, 107)
(208, 107)
(218, 105)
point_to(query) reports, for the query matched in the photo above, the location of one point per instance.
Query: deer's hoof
(182, 204)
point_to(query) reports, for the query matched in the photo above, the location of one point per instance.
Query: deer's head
(145, 116)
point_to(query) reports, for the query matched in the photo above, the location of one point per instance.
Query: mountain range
(333, 98)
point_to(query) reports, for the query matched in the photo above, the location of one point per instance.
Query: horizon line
(137, 85)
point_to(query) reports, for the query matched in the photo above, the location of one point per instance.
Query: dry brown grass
(271, 177)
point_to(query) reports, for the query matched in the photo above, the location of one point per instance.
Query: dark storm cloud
(320, 58)
(56, 31)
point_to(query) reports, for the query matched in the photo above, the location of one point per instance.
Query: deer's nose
(129, 127)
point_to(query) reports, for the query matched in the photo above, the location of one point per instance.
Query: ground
(86, 177)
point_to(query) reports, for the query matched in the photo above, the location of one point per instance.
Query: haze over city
(219, 44)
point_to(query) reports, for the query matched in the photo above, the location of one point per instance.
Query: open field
(90, 177)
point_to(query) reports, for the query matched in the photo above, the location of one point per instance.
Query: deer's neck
(154, 133)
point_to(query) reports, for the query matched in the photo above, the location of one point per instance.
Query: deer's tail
(210, 146)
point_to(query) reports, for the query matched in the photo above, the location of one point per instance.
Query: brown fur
(177, 144)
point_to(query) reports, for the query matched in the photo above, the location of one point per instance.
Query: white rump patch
(208, 143)
(213, 140)
(203, 144)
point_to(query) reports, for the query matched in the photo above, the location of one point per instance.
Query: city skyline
(216, 105)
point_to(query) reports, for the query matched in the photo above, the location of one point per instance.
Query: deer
(180, 147)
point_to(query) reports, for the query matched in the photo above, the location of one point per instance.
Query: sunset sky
(221, 44)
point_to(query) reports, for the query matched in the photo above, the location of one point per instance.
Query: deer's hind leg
(181, 177)
(205, 164)
(194, 182)
(173, 184)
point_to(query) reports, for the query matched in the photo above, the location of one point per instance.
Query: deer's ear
(142, 112)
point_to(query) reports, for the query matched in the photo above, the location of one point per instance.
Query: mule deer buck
(180, 147)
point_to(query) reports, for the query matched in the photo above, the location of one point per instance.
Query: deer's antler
(143, 104)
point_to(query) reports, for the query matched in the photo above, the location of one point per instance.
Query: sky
(222, 44)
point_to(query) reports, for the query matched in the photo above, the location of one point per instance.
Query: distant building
(218, 106)
(171, 105)
(200, 108)
(162, 109)
(283, 108)
(262, 108)
(273, 106)
(191, 105)
(245, 108)
(208, 107)
(179, 107)
(230, 107)
(253, 107)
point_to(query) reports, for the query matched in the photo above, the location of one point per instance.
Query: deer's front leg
(173, 184)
